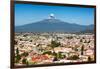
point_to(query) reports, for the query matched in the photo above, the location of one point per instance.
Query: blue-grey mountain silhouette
(52, 25)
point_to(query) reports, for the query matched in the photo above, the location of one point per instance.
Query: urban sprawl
(48, 48)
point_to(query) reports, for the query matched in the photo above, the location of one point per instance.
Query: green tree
(89, 59)
(24, 61)
(60, 55)
(55, 44)
(17, 57)
(17, 51)
(81, 40)
(47, 52)
(82, 50)
(74, 57)
(24, 54)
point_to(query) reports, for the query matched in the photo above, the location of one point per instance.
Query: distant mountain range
(53, 25)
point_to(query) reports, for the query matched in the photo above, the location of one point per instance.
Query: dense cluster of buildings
(46, 48)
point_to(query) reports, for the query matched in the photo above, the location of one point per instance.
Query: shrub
(74, 57)
(55, 44)
(24, 61)
(47, 52)
(24, 54)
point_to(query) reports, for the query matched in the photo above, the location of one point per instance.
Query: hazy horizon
(41, 20)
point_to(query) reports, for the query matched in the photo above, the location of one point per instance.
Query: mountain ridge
(52, 25)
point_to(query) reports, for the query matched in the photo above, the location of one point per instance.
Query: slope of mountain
(51, 25)
(89, 29)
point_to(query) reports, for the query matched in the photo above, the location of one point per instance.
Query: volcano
(52, 25)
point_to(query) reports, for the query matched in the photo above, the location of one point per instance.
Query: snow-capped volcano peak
(51, 16)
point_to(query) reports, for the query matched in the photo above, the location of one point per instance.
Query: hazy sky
(28, 13)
